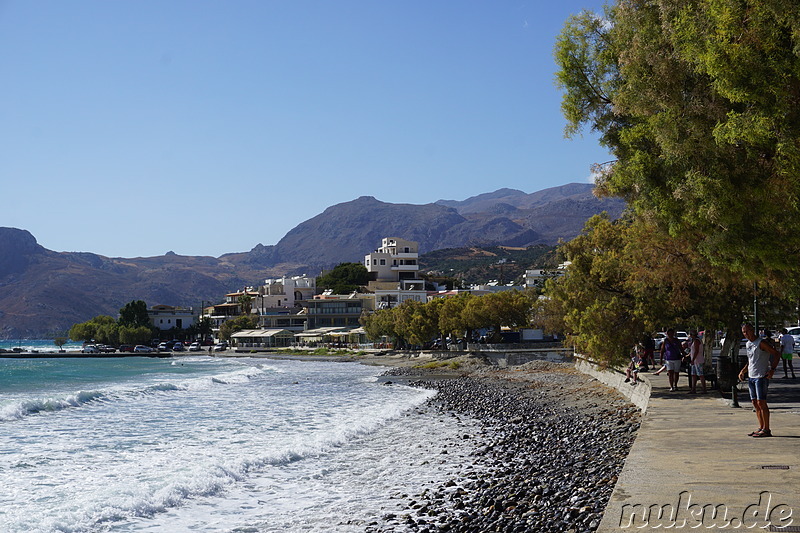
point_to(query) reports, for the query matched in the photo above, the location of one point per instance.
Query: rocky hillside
(505, 217)
(44, 292)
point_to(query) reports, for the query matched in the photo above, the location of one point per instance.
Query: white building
(537, 277)
(395, 266)
(284, 292)
(166, 317)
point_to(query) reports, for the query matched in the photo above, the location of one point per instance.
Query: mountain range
(43, 292)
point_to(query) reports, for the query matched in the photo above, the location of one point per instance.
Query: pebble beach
(551, 444)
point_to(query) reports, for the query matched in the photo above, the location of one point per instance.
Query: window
(383, 261)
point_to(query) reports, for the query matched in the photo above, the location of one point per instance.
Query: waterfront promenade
(692, 457)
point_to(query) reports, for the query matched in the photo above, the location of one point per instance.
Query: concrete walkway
(693, 467)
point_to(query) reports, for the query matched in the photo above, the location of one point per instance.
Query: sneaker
(627, 380)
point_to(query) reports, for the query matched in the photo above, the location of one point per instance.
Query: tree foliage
(102, 329)
(344, 278)
(229, 327)
(699, 102)
(135, 335)
(134, 314)
(418, 323)
(245, 303)
(627, 278)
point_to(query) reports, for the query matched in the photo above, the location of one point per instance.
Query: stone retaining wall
(639, 394)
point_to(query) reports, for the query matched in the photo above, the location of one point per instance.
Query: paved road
(693, 467)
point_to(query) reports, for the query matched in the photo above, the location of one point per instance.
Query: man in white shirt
(762, 360)
(787, 351)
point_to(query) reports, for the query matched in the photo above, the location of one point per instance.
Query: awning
(319, 332)
(259, 333)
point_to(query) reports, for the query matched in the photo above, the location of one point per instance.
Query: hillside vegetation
(481, 264)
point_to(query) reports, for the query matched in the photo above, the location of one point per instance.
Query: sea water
(38, 345)
(211, 444)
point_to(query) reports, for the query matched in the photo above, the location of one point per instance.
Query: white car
(141, 348)
(90, 348)
(195, 347)
(659, 339)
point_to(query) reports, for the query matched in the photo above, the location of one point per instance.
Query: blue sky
(203, 127)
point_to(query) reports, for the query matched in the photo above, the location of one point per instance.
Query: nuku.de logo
(685, 514)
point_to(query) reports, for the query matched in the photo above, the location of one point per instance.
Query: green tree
(107, 333)
(98, 329)
(451, 316)
(228, 328)
(134, 314)
(698, 102)
(344, 278)
(135, 335)
(60, 341)
(245, 303)
(204, 328)
(626, 278)
(380, 324)
(417, 322)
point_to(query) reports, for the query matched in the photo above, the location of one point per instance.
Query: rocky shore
(551, 444)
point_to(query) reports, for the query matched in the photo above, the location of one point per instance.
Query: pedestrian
(762, 360)
(696, 361)
(636, 365)
(787, 352)
(671, 355)
(649, 350)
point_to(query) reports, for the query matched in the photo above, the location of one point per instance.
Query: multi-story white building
(277, 303)
(285, 292)
(395, 266)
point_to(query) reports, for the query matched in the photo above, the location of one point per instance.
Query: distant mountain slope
(519, 199)
(44, 292)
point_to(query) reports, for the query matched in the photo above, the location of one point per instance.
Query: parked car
(90, 348)
(105, 348)
(659, 339)
(126, 348)
(221, 347)
(682, 336)
(178, 346)
(742, 342)
(195, 347)
(141, 348)
(164, 347)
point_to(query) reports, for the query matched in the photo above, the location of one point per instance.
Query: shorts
(787, 356)
(673, 365)
(697, 370)
(758, 388)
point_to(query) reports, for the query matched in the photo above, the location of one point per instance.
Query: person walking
(762, 360)
(671, 355)
(787, 352)
(696, 361)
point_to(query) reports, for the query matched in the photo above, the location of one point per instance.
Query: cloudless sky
(133, 128)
